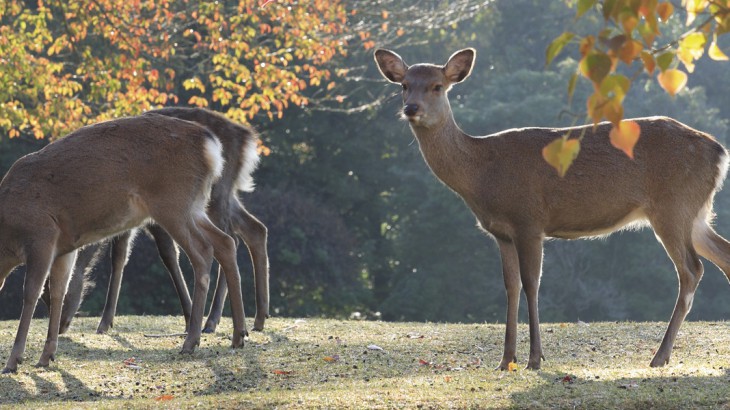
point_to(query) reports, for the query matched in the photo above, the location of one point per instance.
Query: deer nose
(410, 110)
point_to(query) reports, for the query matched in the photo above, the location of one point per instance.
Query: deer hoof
(8, 370)
(208, 330)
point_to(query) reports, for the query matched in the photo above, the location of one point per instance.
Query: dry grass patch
(309, 363)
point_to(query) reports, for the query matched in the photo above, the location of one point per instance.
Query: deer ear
(459, 65)
(391, 65)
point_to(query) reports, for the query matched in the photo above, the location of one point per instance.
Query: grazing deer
(225, 210)
(105, 179)
(520, 200)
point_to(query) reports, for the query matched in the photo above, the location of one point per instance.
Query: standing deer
(520, 200)
(105, 179)
(225, 210)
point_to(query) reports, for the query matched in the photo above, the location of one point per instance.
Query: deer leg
(170, 258)
(200, 254)
(120, 255)
(37, 270)
(86, 258)
(216, 307)
(59, 278)
(529, 251)
(224, 248)
(254, 233)
(511, 273)
(689, 270)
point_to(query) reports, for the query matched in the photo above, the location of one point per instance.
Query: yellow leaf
(624, 136)
(672, 80)
(694, 7)
(512, 367)
(561, 153)
(715, 53)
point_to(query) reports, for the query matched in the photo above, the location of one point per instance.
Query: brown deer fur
(226, 211)
(105, 179)
(520, 200)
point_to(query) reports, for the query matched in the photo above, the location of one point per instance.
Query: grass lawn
(320, 363)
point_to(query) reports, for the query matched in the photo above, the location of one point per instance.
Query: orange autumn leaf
(672, 80)
(282, 372)
(512, 367)
(331, 359)
(625, 136)
(649, 63)
(561, 153)
(165, 397)
(664, 10)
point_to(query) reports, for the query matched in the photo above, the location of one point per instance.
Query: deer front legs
(39, 262)
(521, 265)
(60, 275)
(511, 273)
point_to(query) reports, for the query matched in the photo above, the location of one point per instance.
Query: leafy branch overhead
(64, 64)
(629, 39)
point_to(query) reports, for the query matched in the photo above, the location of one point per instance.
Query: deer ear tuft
(391, 65)
(459, 65)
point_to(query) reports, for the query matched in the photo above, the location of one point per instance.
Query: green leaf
(595, 66)
(664, 60)
(554, 48)
(571, 86)
(583, 6)
(615, 86)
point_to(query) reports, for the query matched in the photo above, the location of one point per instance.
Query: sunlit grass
(340, 364)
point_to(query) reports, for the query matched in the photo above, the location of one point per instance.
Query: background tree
(357, 221)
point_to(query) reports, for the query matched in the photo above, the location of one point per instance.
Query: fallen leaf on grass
(375, 347)
(283, 372)
(423, 362)
(131, 363)
(415, 336)
(570, 379)
(512, 367)
(447, 379)
(165, 397)
(331, 359)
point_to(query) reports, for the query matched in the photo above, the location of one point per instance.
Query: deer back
(109, 177)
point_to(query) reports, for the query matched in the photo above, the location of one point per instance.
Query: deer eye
(438, 87)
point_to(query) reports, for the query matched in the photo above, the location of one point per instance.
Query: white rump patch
(251, 159)
(722, 171)
(214, 156)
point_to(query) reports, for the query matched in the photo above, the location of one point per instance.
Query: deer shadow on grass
(561, 390)
(135, 369)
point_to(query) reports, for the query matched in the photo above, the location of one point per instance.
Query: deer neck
(445, 149)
